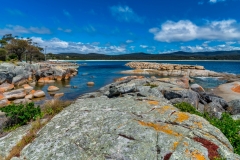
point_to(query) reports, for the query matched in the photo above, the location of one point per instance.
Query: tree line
(19, 49)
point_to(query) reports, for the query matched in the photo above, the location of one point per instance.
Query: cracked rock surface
(126, 128)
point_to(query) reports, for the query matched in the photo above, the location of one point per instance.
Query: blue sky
(124, 26)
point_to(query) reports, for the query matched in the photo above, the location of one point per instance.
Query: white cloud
(125, 13)
(185, 30)
(129, 41)
(17, 29)
(143, 46)
(215, 1)
(56, 45)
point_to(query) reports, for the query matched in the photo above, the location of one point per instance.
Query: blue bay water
(104, 72)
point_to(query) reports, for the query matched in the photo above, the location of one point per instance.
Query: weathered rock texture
(136, 123)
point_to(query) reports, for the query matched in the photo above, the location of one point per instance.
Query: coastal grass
(228, 126)
(53, 107)
(151, 85)
(48, 111)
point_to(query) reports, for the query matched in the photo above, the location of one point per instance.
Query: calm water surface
(104, 72)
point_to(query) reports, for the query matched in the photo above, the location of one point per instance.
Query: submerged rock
(52, 88)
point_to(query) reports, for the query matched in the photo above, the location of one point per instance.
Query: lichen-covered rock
(38, 94)
(10, 140)
(52, 88)
(15, 94)
(6, 87)
(127, 128)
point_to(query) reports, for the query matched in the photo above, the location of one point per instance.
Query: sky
(124, 26)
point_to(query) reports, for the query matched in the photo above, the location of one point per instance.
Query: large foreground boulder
(127, 128)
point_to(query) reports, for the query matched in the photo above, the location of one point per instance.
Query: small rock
(234, 107)
(21, 101)
(68, 86)
(57, 95)
(38, 94)
(27, 88)
(197, 88)
(6, 87)
(90, 83)
(29, 96)
(15, 94)
(52, 88)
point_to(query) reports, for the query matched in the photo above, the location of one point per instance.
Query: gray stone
(234, 106)
(11, 139)
(214, 109)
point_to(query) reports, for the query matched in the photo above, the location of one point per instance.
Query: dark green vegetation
(21, 114)
(13, 48)
(229, 127)
(218, 55)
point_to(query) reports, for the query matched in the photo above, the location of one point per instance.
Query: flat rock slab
(126, 128)
(227, 91)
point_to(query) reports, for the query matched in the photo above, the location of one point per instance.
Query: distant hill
(218, 55)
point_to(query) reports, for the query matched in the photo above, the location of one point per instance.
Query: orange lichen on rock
(175, 144)
(199, 125)
(1, 96)
(160, 128)
(194, 155)
(236, 88)
(181, 117)
(153, 102)
(163, 109)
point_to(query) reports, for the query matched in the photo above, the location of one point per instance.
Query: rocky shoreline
(133, 118)
(17, 81)
(162, 69)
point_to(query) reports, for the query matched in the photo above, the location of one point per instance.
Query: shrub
(21, 114)
(228, 126)
(53, 107)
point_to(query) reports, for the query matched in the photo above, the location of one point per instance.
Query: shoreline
(151, 60)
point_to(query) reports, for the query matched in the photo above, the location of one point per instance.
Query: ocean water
(104, 72)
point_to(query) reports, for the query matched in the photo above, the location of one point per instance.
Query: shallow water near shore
(104, 72)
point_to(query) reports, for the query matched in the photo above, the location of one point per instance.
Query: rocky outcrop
(127, 127)
(24, 73)
(172, 70)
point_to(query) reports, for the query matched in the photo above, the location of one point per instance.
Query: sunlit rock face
(128, 120)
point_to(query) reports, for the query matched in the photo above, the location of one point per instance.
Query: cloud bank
(56, 45)
(185, 30)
